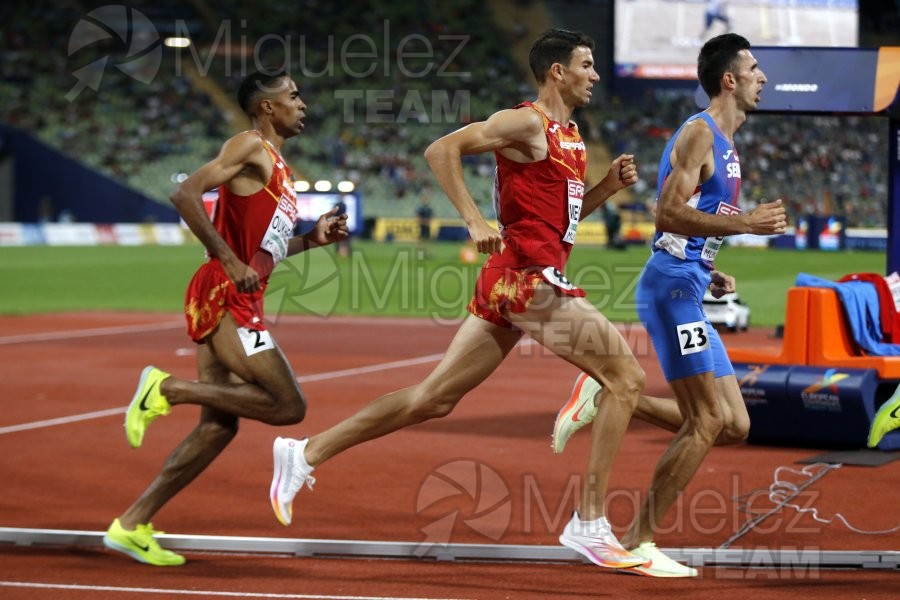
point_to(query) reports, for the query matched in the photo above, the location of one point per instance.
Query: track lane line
(73, 334)
(177, 592)
(97, 414)
(397, 364)
(51, 336)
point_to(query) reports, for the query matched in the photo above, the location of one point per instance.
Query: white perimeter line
(398, 364)
(142, 590)
(63, 420)
(50, 336)
(277, 321)
(80, 333)
(122, 329)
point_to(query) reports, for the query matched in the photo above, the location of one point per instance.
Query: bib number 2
(255, 340)
(692, 337)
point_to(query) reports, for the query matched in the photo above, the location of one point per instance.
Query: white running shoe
(659, 565)
(577, 412)
(596, 541)
(291, 472)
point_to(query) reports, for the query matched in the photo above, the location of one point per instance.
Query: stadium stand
(372, 130)
(137, 132)
(825, 165)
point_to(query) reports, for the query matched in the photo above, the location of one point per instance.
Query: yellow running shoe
(658, 564)
(140, 545)
(577, 412)
(147, 404)
(886, 419)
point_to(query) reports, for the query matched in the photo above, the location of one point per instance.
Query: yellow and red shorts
(210, 294)
(502, 290)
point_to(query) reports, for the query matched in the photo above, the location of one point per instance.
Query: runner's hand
(244, 278)
(721, 284)
(487, 239)
(331, 227)
(767, 219)
(622, 173)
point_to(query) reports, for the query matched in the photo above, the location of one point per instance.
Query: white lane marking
(63, 420)
(397, 364)
(144, 590)
(50, 336)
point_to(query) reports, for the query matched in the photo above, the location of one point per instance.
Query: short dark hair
(555, 46)
(256, 85)
(717, 56)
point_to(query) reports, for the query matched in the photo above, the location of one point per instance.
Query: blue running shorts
(669, 298)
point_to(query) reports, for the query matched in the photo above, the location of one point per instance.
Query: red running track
(505, 485)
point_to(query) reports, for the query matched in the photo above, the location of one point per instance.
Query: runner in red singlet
(541, 198)
(242, 372)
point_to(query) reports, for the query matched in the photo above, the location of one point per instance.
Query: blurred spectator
(144, 134)
(424, 214)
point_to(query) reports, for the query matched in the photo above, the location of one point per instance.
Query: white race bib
(714, 244)
(692, 337)
(255, 340)
(280, 229)
(554, 276)
(575, 190)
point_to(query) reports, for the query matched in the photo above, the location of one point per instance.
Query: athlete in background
(715, 11)
(242, 371)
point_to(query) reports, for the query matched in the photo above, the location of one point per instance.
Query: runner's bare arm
(692, 160)
(520, 132)
(622, 173)
(237, 154)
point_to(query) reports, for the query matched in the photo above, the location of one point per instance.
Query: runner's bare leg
(475, 352)
(268, 391)
(212, 434)
(575, 330)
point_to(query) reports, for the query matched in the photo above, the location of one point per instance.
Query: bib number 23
(693, 337)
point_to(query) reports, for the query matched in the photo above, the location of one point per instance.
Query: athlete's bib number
(714, 244)
(692, 337)
(255, 340)
(575, 190)
(554, 276)
(280, 229)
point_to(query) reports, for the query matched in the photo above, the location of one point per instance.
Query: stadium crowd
(370, 115)
(825, 165)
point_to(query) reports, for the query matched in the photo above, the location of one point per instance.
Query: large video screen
(310, 205)
(659, 39)
(830, 80)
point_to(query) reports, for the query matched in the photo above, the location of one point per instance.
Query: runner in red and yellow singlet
(541, 198)
(538, 205)
(258, 228)
(242, 372)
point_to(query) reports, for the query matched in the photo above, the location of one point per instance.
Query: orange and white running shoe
(577, 412)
